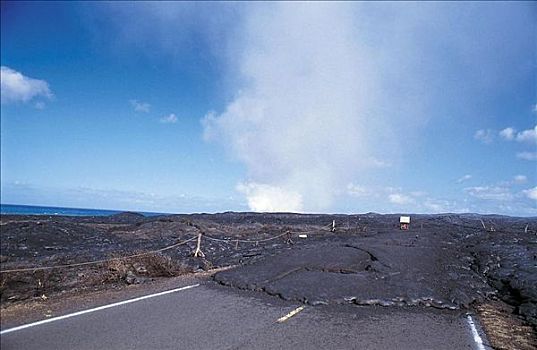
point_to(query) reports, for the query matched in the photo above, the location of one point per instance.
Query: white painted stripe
(291, 314)
(475, 333)
(14, 329)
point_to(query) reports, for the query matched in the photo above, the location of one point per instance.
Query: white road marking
(14, 329)
(475, 333)
(291, 314)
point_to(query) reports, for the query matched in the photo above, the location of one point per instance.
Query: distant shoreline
(18, 209)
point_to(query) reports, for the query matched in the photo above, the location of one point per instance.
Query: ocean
(39, 210)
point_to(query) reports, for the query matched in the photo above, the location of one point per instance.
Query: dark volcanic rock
(383, 270)
(509, 262)
(127, 217)
(22, 240)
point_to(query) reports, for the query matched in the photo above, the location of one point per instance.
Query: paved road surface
(214, 317)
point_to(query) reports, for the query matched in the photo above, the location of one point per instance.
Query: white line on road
(475, 333)
(291, 314)
(14, 329)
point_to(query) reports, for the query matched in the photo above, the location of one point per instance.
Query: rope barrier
(98, 261)
(231, 240)
(94, 262)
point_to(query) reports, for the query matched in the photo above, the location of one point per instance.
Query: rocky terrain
(443, 261)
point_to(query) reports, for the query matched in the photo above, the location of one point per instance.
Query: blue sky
(186, 107)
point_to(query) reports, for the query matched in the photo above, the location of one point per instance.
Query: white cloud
(464, 178)
(313, 101)
(140, 106)
(318, 96)
(169, 119)
(531, 193)
(529, 136)
(497, 193)
(15, 87)
(485, 136)
(527, 155)
(508, 133)
(40, 105)
(358, 191)
(85, 197)
(418, 193)
(266, 198)
(398, 198)
(380, 163)
(435, 206)
(520, 179)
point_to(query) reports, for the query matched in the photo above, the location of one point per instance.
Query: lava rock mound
(386, 272)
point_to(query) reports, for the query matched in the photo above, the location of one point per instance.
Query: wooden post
(288, 239)
(198, 251)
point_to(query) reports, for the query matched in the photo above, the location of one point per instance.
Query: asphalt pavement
(210, 316)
